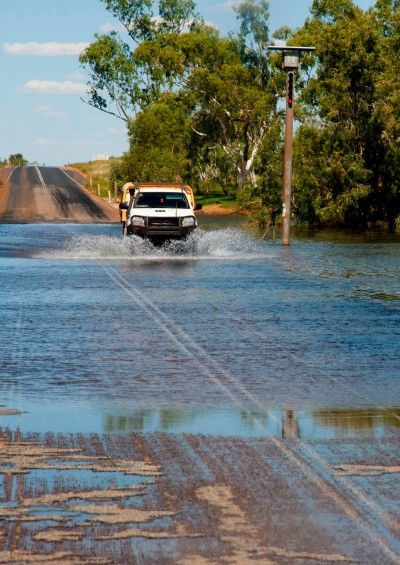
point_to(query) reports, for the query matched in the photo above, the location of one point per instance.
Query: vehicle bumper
(160, 232)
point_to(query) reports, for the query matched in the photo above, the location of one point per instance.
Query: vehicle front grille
(163, 222)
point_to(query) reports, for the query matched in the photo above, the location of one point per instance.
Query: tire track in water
(367, 514)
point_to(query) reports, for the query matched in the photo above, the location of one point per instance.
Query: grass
(225, 200)
(97, 175)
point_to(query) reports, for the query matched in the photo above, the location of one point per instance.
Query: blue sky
(42, 115)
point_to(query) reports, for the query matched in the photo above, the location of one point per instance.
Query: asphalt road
(49, 195)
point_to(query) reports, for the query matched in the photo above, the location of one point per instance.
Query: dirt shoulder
(218, 210)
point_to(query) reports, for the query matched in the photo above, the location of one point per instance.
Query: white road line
(9, 176)
(39, 174)
(106, 202)
(71, 178)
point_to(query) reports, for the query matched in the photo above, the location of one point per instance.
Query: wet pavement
(222, 400)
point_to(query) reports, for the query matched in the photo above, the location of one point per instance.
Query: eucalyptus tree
(236, 97)
(341, 150)
(123, 79)
(387, 15)
(159, 140)
(168, 58)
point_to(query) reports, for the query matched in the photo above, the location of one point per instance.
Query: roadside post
(290, 62)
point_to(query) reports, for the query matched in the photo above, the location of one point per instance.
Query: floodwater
(225, 334)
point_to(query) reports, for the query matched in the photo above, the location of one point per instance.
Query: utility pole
(290, 62)
(288, 158)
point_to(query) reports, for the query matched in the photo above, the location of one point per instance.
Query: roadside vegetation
(14, 160)
(207, 109)
(100, 176)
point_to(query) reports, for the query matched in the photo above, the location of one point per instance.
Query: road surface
(49, 194)
(219, 401)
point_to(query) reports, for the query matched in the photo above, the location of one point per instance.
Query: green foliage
(101, 176)
(224, 82)
(17, 160)
(126, 76)
(159, 137)
(344, 166)
(202, 108)
(269, 186)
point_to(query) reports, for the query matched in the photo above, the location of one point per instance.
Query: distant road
(49, 194)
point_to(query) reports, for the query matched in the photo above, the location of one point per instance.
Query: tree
(387, 18)
(159, 139)
(17, 160)
(235, 95)
(340, 150)
(128, 73)
(224, 83)
(235, 113)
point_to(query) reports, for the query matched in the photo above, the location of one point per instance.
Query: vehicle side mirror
(198, 207)
(123, 206)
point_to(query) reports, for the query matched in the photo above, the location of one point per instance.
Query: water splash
(218, 244)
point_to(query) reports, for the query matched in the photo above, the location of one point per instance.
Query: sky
(42, 115)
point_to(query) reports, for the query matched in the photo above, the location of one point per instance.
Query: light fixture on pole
(290, 62)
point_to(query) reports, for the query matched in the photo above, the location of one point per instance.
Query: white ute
(160, 211)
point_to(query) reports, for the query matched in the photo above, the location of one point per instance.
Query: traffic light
(290, 88)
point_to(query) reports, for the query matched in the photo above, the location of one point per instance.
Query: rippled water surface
(222, 334)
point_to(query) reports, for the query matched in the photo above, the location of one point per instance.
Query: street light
(290, 62)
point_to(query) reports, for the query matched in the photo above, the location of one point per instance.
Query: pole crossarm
(298, 48)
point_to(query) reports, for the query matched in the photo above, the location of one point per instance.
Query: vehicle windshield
(161, 200)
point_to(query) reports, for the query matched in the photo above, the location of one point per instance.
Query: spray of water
(219, 244)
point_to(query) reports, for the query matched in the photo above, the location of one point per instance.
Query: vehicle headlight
(137, 221)
(188, 222)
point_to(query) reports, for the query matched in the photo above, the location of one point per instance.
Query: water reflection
(366, 422)
(225, 421)
(286, 423)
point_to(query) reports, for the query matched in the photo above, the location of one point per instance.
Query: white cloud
(49, 49)
(48, 112)
(226, 6)
(55, 87)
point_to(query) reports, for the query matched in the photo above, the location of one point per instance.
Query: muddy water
(224, 334)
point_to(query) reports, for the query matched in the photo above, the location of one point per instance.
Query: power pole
(288, 159)
(290, 62)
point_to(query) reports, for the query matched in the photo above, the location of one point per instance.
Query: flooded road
(169, 398)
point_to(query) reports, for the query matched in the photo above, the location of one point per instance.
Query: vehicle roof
(160, 189)
(161, 186)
